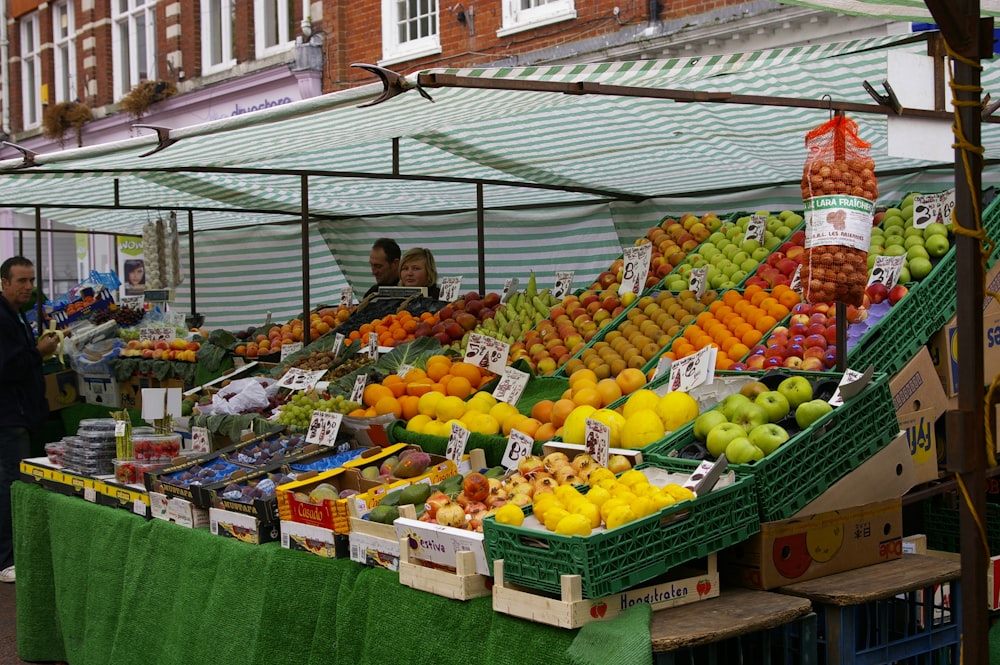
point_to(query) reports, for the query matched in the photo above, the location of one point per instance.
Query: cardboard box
(61, 389)
(802, 549)
(131, 390)
(313, 539)
(178, 511)
(919, 399)
(245, 528)
(102, 389)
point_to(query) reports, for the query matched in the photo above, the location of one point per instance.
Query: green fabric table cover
(102, 585)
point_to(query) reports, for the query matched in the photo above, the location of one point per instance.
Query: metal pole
(39, 309)
(481, 237)
(306, 307)
(194, 300)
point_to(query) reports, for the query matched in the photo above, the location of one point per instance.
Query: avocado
(416, 494)
(391, 499)
(383, 514)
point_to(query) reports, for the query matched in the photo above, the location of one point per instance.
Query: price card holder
(121, 426)
(697, 281)
(511, 385)
(139, 507)
(662, 366)
(597, 440)
(201, 441)
(755, 228)
(358, 391)
(289, 349)
(692, 371)
(156, 334)
(132, 302)
(564, 282)
(300, 379)
(338, 344)
(851, 384)
(90, 494)
(487, 353)
(449, 288)
(509, 289)
(927, 209)
(458, 438)
(519, 445)
(323, 428)
(946, 205)
(372, 349)
(796, 282)
(886, 271)
(636, 268)
(346, 297)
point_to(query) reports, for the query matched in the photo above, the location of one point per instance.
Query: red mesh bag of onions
(839, 191)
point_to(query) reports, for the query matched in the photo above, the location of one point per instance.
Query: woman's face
(136, 274)
(413, 273)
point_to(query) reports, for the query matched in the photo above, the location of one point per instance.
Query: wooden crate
(462, 583)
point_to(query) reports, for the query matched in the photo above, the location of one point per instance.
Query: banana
(59, 347)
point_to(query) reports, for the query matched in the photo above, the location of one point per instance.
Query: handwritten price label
(886, 271)
(519, 445)
(692, 371)
(457, 440)
(511, 385)
(289, 349)
(200, 440)
(697, 281)
(346, 297)
(300, 379)
(509, 289)
(156, 334)
(796, 283)
(359, 388)
(636, 268)
(372, 349)
(564, 282)
(597, 440)
(338, 344)
(132, 302)
(487, 353)
(323, 428)
(449, 288)
(755, 228)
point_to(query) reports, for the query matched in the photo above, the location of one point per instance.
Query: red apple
(896, 293)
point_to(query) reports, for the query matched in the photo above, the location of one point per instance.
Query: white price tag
(120, 427)
(519, 445)
(511, 385)
(139, 507)
(346, 296)
(927, 209)
(372, 349)
(692, 371)
(509, 289)
(636, 268)
(132, 302)
(796, 283)
(289, 349)
(90, 494)
(487, 353)
(338, 344)
(449, 288)
(886, 271)
(200, 441)
(457, 440)
(323, 428)
(597, 440)
(662, 366)
(156, 334)
(403, 370)
(850, 376)
(296, 378)
(564, 282)
(755, 228)
(946, 204)
(358, 391)
(697, 281)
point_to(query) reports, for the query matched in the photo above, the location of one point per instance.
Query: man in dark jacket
(22, 391)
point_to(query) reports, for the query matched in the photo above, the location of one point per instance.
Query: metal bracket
(162, 136)
(28, 156)
(888, 99)
(392, 83)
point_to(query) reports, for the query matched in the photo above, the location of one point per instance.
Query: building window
(64, 46)
(409, 30)
(31, 71)
(133, 43)
(275, 26)
(217, 52)
(521, 15)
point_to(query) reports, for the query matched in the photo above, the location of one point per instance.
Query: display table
(102, 585)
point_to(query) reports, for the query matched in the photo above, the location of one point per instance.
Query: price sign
(132, 302)
(597, 440)
(139, 507)
(509, 289)
(346, 297)
(457, 440)
(121, 426)
(796, 283)
(323, 428)
(156, 334)
(300, 379)
(662, 366)
(946, 201)
(372, 349)
(692, 371)
(338, 343)
(755, 228)
(697, 281)
(289, 349)
(90, 494)
(403, 370)
(358, 391)
(927, 209)
(564, 282)
(487, 353)
(636, 260)
(200, 440)
(886, 271)
(518, 445)
(850, 376)
(449, 288)
(511, 385)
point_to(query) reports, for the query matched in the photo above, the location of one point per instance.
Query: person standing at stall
(22, 391)
(418, 268)
(384, 263)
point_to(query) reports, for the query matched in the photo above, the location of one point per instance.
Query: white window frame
(64, 51)
(126, 45)
(516, 19)
(31, 71)
(395, 50)
(283, 15)
(217, 30)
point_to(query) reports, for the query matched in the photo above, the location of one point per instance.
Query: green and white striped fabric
(897, 10)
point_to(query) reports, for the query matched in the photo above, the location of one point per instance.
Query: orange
(738, 351)
(438, 368)
(418, 388)
(388, 405)
(357, 413)
(751, 337)
(560, 410)
(469, 372)
(582, 374)
(459, 386)
(374, 392)
(545, 432)
(609, 390)
(415, 374)
(587, 396)
(631, 379)
(542, 410)
(527, 425)
(409, 405)
(765, 323)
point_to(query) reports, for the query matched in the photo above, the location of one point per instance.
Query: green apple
(760, 254)
(937, 245)
(935, 228)
(704, 423)
(767, 437)
(796, 390)
(741, 451)
(732, 403)
(919, 268)
(753, 388)
(774, 404)
(749, 416)
(809, 412)
(719, 437)
(917, 252)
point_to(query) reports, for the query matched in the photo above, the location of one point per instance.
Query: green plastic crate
(811, 461)
(941, 524)
(612, 561)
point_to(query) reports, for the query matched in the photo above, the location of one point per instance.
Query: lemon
(615, 422)
(598, 495)
(624, 493)
(509, 513)
(542, 504)
(427, 404)
(631, 477)
(642, 488)
(608, 483)
(619, 516)
(481, 401)
(418, 422)
(642, 428)
(599, 474)
(501, 411)
(574, 525)
(642, 506)
(644, 398)
(575, 426)
(588, 510)
(676, 409)
(482, 423)
(611, 505)
(568, 494)
(553, 516)
(511, 422)
(449, 407)
(662, 500)
(678, 492)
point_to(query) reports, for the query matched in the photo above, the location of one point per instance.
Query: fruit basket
(610, 561)
(811, 461)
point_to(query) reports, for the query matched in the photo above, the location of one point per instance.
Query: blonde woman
(417, 268)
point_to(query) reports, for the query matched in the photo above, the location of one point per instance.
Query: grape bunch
(298, 411)
(123, 316)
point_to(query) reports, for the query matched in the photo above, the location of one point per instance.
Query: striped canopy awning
(896, 10)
